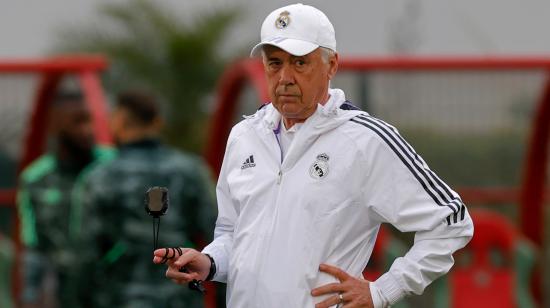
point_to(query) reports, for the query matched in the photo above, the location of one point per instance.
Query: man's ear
(333, 66)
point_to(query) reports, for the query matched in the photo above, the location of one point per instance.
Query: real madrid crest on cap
(319, 169)
(283, 20)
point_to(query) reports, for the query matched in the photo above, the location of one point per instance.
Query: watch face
(156, 201)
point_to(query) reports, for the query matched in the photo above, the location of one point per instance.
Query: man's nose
(287, 75)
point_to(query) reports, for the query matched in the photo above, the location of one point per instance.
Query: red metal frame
(445, 63)
(59, 64)
(534, 177)
(35, 140)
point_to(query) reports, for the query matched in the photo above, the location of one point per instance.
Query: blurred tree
(151, 47)
(481, 160)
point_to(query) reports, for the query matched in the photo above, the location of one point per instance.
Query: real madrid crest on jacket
(319, 169)
(344, 173)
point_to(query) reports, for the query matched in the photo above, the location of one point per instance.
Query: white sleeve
(401, 190)
(220, 248)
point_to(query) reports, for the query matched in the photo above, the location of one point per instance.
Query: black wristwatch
(212, 271)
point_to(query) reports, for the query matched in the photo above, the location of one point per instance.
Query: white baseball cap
(297, 29)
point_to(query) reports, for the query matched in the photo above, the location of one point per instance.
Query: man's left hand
(349, 292)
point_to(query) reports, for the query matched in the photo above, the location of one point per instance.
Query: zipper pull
(279, 177)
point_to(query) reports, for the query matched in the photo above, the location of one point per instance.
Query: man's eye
(274, 63)
(300, 62)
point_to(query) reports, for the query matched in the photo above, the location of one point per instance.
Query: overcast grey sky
(368, 27)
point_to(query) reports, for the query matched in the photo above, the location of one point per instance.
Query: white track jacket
(344, 174)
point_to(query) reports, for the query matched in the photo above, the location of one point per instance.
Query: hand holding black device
(156, 205)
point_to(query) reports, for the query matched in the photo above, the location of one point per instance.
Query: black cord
(156, 231)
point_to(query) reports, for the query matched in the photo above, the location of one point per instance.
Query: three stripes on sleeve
(435, 187)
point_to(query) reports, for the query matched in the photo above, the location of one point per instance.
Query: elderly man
(305, 184)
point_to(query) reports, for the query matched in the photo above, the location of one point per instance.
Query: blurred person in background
(50, 221)
(114, 193)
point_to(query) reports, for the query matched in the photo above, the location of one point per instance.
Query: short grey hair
(326, 54)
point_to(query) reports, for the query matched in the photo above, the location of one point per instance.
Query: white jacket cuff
(377, 300)
(388, 290)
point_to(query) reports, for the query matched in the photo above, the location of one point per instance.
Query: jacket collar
(325, 118)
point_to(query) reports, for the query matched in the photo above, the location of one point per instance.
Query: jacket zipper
(277, 132)
(258, 264)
